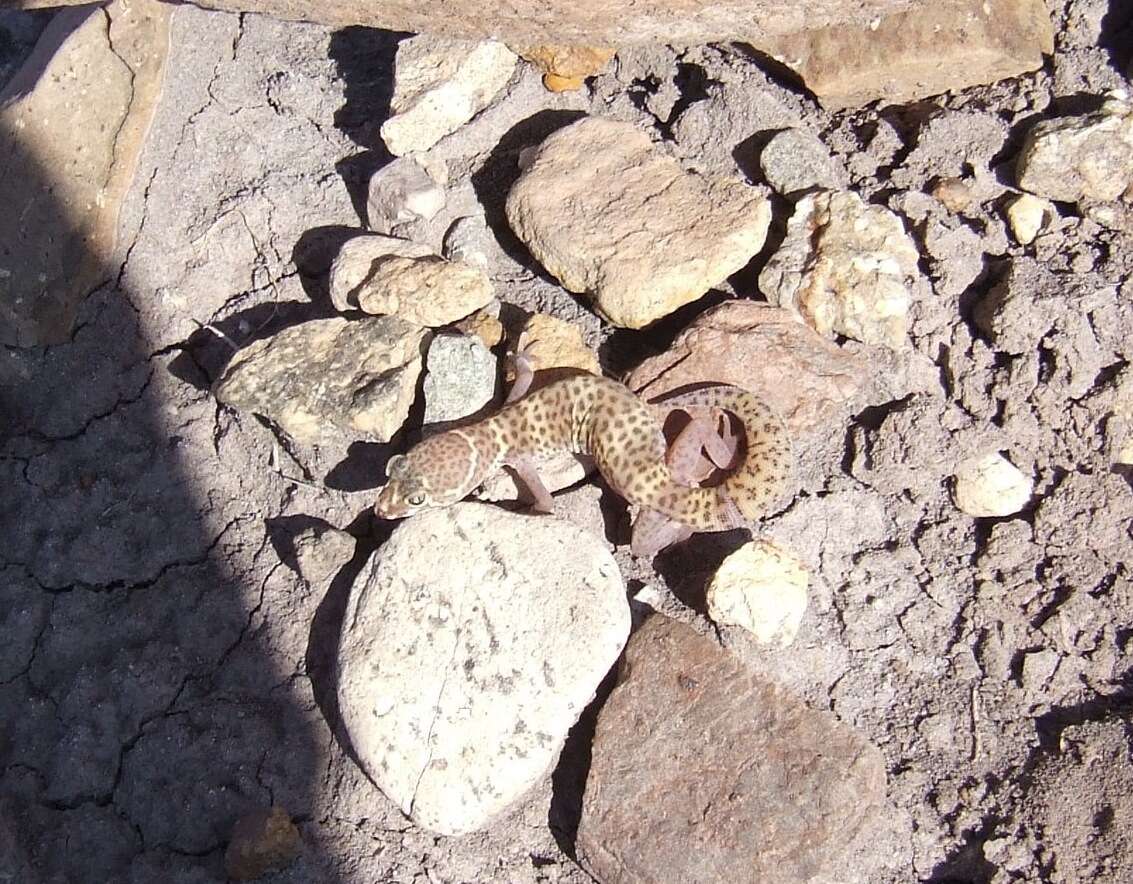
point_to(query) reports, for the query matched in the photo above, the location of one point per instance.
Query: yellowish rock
(569, 62)
(761, 587)
(483, 325)
(955, 194)
(990, 485)
(428, 291)
(550, 342)
(1029, 216)
(557, 83)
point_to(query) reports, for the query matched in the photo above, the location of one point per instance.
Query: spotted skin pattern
(604, 419)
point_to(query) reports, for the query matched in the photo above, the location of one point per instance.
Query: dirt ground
(164, 668)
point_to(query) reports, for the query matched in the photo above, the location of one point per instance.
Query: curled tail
(750, 490)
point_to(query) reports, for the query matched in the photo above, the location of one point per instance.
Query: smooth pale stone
(990, 485)
(763, 588)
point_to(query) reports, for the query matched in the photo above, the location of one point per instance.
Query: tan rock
(439, 85)
(761, 587)
(925, 50)
(330, 376)
(458, 684)
(354, 267)
(532, 22)
(766, 350)
(955, 194)
(405, 190)
(990, 485)
(72, 124)
(847, 268)
(1080, 158)
(611, 216)
(550, 342)
(557, 83)
(483, 325)
(428, 291)
(1028, 216)
(262, 841)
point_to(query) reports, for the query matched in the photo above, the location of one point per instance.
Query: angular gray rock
(613, 217)
(330, 377)
(458, 683)
(460, 378)
(439, 85)
(705, 771)
(404, 191)
(1080, 158)
(795, 162)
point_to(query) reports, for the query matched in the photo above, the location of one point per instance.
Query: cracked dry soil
(164, 668)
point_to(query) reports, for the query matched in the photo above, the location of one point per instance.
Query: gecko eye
(416, 499)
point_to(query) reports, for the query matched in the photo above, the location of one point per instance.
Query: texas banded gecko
(599, 417)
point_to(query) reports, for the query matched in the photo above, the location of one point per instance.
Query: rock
(357, 378)
(321, 552)
(67, 156)
(567, 67)
(805, 378)
(428, 291)
(404, 191)
(847, 268)
(734, 780)
(1074, 159)
(469, 240)
(795, 162)
(1029, 216)
(484, 325)
(955, 194)
(354, 267)
(384, 275)
(929, 49)
(458, 685)
(550, 342)
(761, 587)
(611, 216)
(990, 485)
(530, 23)
(439, 85)
(262, 841)
(460, 378)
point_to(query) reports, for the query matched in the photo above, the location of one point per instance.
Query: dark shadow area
(1117, 34)
(626, 348)
(568, 782)
(139, 710)
(687, 567)
(965, 865)
(493, 180)
(365, 60)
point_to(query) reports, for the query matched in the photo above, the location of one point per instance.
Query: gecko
(599, 417)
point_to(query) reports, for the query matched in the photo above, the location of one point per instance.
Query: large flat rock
(459, 679)
(706, 771)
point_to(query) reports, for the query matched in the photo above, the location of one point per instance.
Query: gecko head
(435, 473)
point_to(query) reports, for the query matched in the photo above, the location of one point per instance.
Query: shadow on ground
(141, 713)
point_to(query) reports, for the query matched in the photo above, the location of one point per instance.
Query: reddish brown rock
(261, 841)
(531, 22)
(929, 49)
(765, 350)
(705, 771)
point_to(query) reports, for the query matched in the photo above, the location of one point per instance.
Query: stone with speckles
(458, 685)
